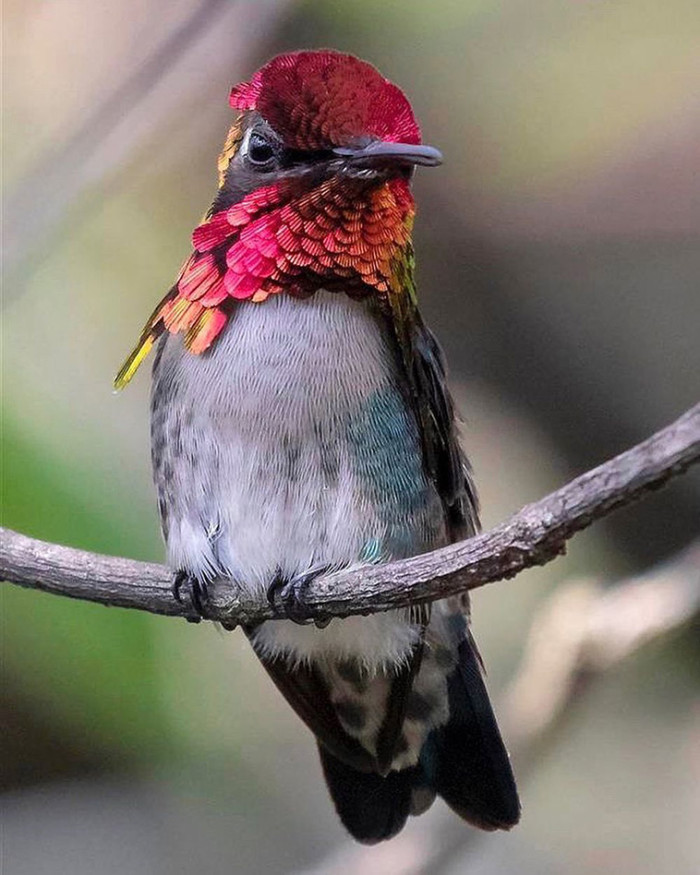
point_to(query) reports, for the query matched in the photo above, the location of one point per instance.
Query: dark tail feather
(372, 808)
(466, 761)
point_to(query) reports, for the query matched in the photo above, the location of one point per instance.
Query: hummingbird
(301, 423)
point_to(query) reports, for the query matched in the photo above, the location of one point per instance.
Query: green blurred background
(558, 263)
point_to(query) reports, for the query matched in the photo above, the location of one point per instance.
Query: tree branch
(533, 536)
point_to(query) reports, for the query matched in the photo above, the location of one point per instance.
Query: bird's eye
(261, 153)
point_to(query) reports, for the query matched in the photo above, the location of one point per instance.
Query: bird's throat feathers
(349, 235)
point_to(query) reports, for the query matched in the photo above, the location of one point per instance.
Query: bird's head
(314, 115)
(314, 192)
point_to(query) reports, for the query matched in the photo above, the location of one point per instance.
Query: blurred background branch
(534, 536)
(586, 628)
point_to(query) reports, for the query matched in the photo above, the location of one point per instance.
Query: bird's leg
(291, 595)
(197, 590)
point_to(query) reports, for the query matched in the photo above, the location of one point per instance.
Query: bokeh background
(558, 263)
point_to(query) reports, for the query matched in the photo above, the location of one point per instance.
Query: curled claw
(198, 593)
(291, 596)
(275, 588)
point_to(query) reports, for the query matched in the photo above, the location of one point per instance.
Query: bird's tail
(371, 807)
(464, 761)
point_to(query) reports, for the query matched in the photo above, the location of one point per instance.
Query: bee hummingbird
(301, 422)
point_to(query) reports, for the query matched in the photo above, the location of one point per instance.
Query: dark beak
(380, 152)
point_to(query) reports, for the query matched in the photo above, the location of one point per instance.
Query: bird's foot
(197, 593)
(291, 595)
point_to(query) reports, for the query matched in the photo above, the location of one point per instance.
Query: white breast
(263, 482)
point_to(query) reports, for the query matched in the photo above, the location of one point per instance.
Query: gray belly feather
(290, 447)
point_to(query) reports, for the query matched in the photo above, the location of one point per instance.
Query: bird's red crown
(317, 100)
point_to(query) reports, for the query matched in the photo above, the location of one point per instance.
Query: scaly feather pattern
(317, 100)
(336, 235)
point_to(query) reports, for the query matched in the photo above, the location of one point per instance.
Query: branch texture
(533, 536)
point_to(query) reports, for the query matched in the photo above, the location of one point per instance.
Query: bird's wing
(420, 357)
(307, 691)
(197, 306)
